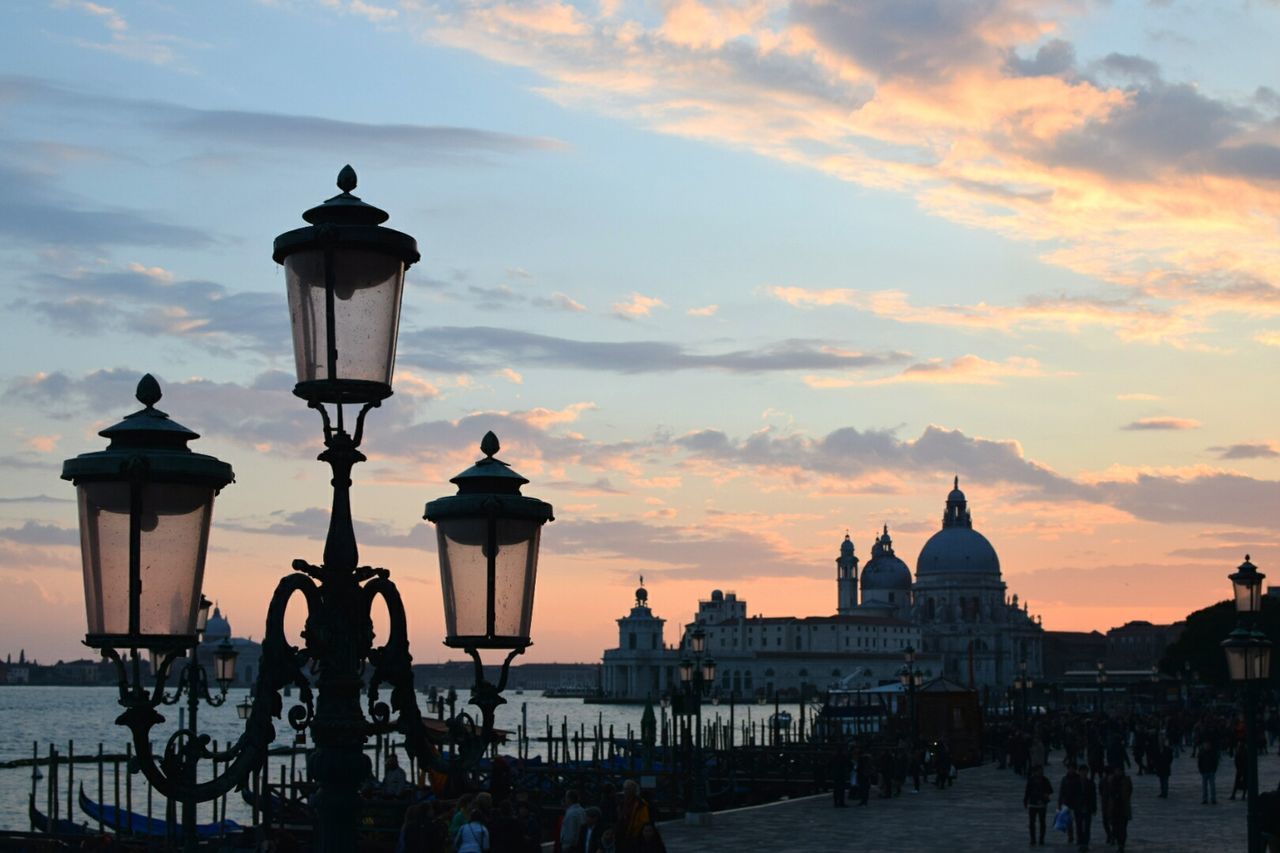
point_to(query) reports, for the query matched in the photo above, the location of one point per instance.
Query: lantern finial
(489, 444)
(148, 393)
(347, 179)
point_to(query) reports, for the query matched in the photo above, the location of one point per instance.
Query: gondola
(130, 823)
(42, 823)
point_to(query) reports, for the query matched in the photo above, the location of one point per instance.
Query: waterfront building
(642, 666)
(959, 601)
(955, 613)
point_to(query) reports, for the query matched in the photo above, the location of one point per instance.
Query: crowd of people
(617, 822)
(1098, 753)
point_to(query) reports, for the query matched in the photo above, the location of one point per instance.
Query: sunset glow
(728, 279)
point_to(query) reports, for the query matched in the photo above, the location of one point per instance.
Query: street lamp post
(697, 675)
(1022, 684)
(1249, 660)
(1102, 683)
(146, 504)
(911, 679)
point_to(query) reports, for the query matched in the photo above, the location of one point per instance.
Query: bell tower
(846, 579)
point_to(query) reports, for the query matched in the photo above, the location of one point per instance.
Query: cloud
(36, 213)
(704, 311)
(981, 112)
(1144, 424)
(563, 303)
(1263, 450)
(123, 40)
(35, 499)
(238, 130)
(44, 535)
(701, 552)
(313, 524)
(965, 370)
(638, 305)
(457, 349)
(1137, 395)
(1128, 316)
(148, 301)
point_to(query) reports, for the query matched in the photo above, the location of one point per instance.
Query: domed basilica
(955, 613)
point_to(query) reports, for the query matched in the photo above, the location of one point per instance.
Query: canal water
(85, 717)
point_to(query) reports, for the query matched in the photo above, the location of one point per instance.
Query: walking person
(1070, 792)
(1035, 799)
(1117, 802)
(1238, 784)
(1207, 764)
(1164, 767)
(840, 768)
(575, 817)
(1088, 808)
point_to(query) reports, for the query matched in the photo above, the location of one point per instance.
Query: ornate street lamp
(145, 507)
(697, 675)
(488, 536)
(1249, 661)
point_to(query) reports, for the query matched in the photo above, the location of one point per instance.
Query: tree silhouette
(1200, 642)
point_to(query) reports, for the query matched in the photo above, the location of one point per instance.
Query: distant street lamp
(1022, 684)
(1249, 660)
(146, 503)
(1102, 683)
(911, 679)
(697, 675)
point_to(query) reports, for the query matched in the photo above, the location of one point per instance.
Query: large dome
(884, 570)
(957, 548)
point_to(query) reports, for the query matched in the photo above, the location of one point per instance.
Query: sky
(727, 279)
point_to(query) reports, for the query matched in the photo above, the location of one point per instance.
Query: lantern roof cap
(489, 485)
(345, 208)
(151, 435)
(149, 423)
(1247, 572)
(489, 474)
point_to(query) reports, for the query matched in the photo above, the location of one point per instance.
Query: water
(86, 715)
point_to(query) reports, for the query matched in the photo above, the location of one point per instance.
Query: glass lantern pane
(1236, 662)
(104, 550)
(515, 575)
(1264, 662)
(463, 575)
(1247, 597)
(367, 291)
(175, 538)
(224, 666)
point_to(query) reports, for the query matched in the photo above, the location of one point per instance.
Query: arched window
(632, 640)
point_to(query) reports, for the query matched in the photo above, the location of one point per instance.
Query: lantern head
(487, 539)
(224, 664)
(145, 504)
(1246, 584)
(345, 276)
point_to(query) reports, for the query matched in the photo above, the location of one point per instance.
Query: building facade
(955, 613)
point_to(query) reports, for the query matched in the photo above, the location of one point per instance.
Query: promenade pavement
(982, 812)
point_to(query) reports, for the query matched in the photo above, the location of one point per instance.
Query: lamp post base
(698, 818)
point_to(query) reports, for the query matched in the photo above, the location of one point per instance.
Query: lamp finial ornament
(347, 179)
(148, 393)
(489, 444)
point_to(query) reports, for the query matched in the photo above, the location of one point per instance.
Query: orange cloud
(947, 107)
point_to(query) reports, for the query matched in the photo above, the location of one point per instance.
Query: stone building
(955, 613)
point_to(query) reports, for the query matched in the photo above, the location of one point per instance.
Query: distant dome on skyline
(957, 548)
(885, 570)
(217, 628)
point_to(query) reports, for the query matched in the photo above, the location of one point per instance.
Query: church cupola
(957, 511)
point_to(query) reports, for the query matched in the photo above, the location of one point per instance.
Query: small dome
(642, 594)
(217, 628)
(956, 496)
(846, 547)
(717, 595)
(884, 571)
